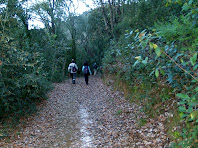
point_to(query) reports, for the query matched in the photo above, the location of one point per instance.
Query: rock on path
(85, 116)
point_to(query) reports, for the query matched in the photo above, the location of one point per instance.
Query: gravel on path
(83, 116)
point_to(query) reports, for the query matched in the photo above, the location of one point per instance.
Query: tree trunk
(51, 13)
(53, 26)
(122, 12)
(114, 11)
(64, 68)
(118, 12)
(73, 47)
(104, 16)
(53, 65)
(73, 36)
(111, 16)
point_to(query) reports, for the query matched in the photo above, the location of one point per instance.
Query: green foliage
(119, 112)
(166, 56)
(181, 31)
(23, 82)
(188, 101)
(143, 14)
(142, 122)
(185, 35)
(92, 36)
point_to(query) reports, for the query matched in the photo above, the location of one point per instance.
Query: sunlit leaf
(184, 116)
(141, 35)
(182, 95)
(144, 62)
(182, 60)
(181, 103)
(190, 109)
(162, 72)
(151, 73)
(194, 81)
(145, 43)
(176, 134)
(151, 45)
(135, 63)
(192, 116)
(185, 7)
(137, 35)
(157, 73)
(158, 51)
(195, 67)
(193, 104)
(138, 58)
(182, 109)
(155, 46)
(196, 89)
(193, 59)
(181, 114)
(190, 2)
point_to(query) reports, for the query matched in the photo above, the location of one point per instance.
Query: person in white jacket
(72, 69)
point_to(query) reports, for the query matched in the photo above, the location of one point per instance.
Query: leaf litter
(91, 115)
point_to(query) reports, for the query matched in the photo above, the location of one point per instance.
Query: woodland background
(149, 47)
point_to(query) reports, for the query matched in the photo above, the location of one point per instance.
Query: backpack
(74, 69)
(85, 70)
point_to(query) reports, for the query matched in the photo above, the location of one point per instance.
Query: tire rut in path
(91, 115)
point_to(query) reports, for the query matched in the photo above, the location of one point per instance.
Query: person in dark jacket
(95, 68)
(86, 71)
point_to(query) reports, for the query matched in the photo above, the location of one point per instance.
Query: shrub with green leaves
(167, 55)
(175, 45)
(22, 80)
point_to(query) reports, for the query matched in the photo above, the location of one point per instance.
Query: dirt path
(84, 116)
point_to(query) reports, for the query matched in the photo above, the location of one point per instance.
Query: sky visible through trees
(80, 5)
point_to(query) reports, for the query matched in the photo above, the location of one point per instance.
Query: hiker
(72, 69)
(86, 71)
(95, 68)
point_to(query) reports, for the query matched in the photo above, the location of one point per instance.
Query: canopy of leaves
(140, 42)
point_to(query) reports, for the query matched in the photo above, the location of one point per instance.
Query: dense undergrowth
(158, 69)
(23, 82)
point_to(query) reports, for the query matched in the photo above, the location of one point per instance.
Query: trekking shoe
(73, 81)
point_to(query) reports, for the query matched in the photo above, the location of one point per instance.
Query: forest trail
(82, 116)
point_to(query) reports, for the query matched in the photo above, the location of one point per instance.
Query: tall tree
(104, 15)
(112, 14)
